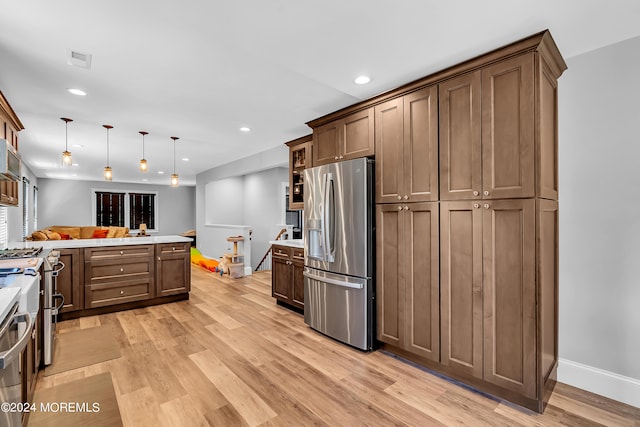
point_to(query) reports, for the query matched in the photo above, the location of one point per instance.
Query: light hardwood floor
(231, 356)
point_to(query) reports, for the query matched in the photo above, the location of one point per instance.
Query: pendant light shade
(66, 154)
(174, 175)
(144, 167)
(108, 172)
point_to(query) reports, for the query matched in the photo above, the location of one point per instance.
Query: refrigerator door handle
(333, 281)
(329, 227)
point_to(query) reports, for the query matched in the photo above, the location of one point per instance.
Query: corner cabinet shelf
(299, 160)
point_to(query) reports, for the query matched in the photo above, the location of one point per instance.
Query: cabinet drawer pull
(399, 208)
(399, 197)
(121, 252)
(406, 197)
(121, 292)
(173, 249)
(121, 270)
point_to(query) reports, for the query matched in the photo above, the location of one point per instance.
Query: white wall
(68, 202)
(256, 210)
(225, 204)
(599, 174)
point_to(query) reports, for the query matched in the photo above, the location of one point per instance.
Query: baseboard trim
(605, 383)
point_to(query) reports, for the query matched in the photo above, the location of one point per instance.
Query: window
(125, 209)
(142, 210)
(4, 238)
(25, 208)
(35, 207)
(109, 209)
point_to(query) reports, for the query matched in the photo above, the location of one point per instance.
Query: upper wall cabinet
(299, 160)
(407, 148)
(10, 125)
(346, 138)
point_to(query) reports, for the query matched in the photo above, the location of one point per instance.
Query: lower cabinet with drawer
(173, 268)
(287, 281)
(117, 275)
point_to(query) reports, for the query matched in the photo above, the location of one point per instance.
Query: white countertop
(92, 243)
(8, 297)
(294, 243)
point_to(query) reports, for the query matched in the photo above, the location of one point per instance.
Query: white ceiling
(201, 69)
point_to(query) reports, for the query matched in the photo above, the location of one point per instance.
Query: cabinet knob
(476, 205)
(399, 208)
(121, 252)
(476, 193)
(406, 208)
(486, 192)
(341, 156)
(399, 197)
(121, 270)
(158, 258)
(335, 158)
(406, 197)
(486, 205)
(173, 249)
(121, 292)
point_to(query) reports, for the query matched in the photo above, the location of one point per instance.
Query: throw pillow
(100, 234)
(64, 236)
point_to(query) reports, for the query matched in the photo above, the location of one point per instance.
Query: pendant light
(174, 175)
(66, 154)
(144, 167)
(108, 172)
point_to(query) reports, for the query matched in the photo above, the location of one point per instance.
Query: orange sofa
(68, 232)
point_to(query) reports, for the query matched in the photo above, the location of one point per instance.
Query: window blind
(109, 209)
(3, 228)
(35, 207)
(142, 210)
(25, 207)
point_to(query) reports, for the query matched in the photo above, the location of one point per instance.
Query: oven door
(14, 337)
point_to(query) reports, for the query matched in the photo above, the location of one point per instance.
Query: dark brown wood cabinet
(173, 268)
(287, 281)
(486, 313)
(118, 274)
(406, 141)
(70, 281)
(299, 159)
(408, 311)
(345, 138)
(10, 125)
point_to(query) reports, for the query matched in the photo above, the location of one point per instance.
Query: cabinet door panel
(68, 282)
(281, 281)
(173, 274)
(548, 284)
(421, 145)
(461, 286)
(548, 128)
(357, 135)
(390, 273)
(325, 144)
(508, 129)
(460, 138)
(297, 296)
(509, 295)
(422, 296)
(389, 158)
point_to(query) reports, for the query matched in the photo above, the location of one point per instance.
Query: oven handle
(58, 307)
(8, 356)
(57, 271)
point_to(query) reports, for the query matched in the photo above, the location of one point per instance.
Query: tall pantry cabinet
(467, 220)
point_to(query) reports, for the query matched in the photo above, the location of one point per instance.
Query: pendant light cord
(66, 136)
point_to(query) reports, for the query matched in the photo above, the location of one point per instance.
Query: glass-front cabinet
(299, 160)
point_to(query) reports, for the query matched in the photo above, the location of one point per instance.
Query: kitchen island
(113, 274)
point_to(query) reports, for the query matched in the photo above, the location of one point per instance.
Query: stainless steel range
(15, 253)
(52, 267)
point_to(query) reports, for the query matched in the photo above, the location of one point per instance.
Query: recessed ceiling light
(74, 174)
(362, 80)
(160, 172)
(184, 159)
(74, 164)
(77, 145)
(245, 129)
(144, 180)
(78, 92)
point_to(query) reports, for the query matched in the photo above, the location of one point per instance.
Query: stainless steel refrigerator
(339, 254)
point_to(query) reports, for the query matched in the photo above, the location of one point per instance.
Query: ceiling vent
(79, 59)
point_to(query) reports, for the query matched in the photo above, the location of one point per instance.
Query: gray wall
(599, 173)
(68, 202)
